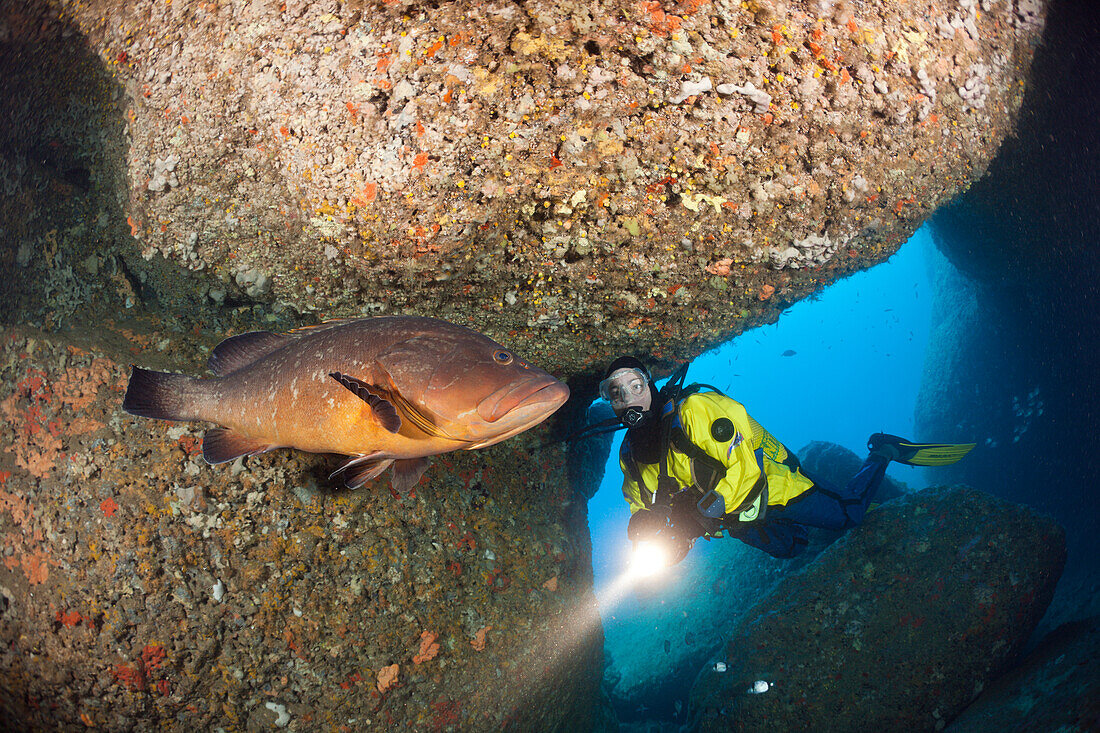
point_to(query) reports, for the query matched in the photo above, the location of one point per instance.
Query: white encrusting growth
(283, 717)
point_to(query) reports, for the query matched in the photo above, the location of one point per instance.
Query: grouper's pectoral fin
(221, 445)
(383, 409)
(407, 474)
(358, 470)
(418, 416)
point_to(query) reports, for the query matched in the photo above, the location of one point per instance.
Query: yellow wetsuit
(745, 448)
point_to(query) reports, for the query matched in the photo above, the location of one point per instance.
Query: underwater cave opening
(834, 368)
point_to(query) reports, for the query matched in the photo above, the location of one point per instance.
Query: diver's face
(626, 388)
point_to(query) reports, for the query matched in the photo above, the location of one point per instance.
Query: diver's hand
(678, 548)
(659, 525)
(684, 518)
(646, 524)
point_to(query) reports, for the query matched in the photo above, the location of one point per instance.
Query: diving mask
(626, 388)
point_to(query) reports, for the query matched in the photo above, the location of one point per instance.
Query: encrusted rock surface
(1057, 687)
(143, 589)
(896, 626)
(594, 178)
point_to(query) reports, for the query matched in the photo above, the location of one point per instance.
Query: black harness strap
(715, 469)
(758, 488)
(666, 485)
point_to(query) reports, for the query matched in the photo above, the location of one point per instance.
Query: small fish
(789, 352)
(387, 391)
(668, 646)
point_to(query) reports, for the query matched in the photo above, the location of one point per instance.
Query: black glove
(660, 524)
(647, 524)
(684, 517)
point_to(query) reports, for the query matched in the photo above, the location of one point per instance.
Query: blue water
(856, 369)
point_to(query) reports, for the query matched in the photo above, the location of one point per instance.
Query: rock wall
(1011, 372)
(142, 588)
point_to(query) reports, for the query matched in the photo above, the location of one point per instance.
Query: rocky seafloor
(899, 625)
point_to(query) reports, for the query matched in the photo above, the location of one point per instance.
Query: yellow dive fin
(901, 450)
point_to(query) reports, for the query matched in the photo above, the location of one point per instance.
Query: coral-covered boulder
(896, 626)
(598, 177)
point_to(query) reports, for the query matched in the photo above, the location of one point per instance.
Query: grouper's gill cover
(473, 389)
(386, 391)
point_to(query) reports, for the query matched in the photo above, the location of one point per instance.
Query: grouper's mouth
(545, 392)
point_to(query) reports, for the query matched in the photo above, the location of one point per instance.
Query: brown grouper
(392, 390)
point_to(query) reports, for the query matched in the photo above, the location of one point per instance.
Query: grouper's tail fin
(161, 395)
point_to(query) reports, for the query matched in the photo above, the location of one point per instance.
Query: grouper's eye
(502, 357)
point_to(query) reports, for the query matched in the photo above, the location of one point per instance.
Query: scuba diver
(695, 464)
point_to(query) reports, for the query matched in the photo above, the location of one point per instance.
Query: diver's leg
(775, 536)
(822, 506)
(862, 488)
(827, 506)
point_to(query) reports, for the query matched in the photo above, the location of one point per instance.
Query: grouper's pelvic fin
(407, 474)
(161, 395)
(893, 448)
(358, 470)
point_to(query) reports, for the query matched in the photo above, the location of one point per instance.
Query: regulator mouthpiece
(634, 416)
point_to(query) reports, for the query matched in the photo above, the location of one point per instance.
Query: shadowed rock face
(1005, 365)
(597, 178)
(896, 626)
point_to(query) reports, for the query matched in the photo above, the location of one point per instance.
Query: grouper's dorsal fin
(322, 326)
(380, 405)
(239, 351)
